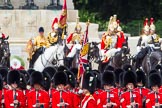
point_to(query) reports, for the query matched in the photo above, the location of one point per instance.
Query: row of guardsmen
(59, 88)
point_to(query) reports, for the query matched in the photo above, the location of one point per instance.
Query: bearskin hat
(3, 73)
(71, 78)
(128, 67)
(75, 71)
(121, 79)
(154, 79)
(26, 75)
(1, 82)
(23, 82)
(13, 77)
(62, 68)
(108, 78)
(46, 80)
(98, 78)
(158, 67)
(129, 77)
(153, 71)
(117, 73)
(36, 78)
(109, 68)
(60, 78)
(50, 70)
(141, 77)
(89, 82)
(30, 71)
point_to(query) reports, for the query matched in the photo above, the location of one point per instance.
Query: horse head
(94, 51)
(59, 54)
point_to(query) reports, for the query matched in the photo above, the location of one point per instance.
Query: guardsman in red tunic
(61, 98)
(88, 86)
(108, 98)
(1, 97)
(154, 98)
(70, 88)
(120, 36)
(51, 71)
(98, 89)
(118, 89)
(37, 97)
(14, 97)
(130, 98)
(141, 82)
(3, 73)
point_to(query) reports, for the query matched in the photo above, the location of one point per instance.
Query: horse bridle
(54, 62)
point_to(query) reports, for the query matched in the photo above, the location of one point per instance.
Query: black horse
(4, 52)
(120, 58)
(148, 59)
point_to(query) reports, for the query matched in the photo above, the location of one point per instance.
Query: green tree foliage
(130, 12)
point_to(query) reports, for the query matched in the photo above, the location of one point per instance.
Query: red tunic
(143, 92)
(120, 40)
(42, 98)
(151, 98)
(126, 99)
(104, 96)
(56, 99)
(75, 99)
(96, 95)
(88, 102)
(118, 91)
(9, 98)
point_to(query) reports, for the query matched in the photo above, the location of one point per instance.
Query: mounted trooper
(36, 46)
(148, 41)
(112, 40)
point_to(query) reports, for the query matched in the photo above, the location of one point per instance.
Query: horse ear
(7, 38)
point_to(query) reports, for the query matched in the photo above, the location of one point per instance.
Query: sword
(2, 105)
(15, 98)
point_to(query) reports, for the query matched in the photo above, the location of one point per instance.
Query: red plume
(118, 22)
(54, 21)
(151, 21)
(146, 22)
(3, 36)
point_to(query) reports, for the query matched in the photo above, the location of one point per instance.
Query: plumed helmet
(146, 25)
(152, 26)
(55, 24)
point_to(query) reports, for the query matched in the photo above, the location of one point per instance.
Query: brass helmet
(78, 26)
(115, 24)
(55, 23)
(119, 27)
(152, 26)
(110, 25)
(146, 25)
